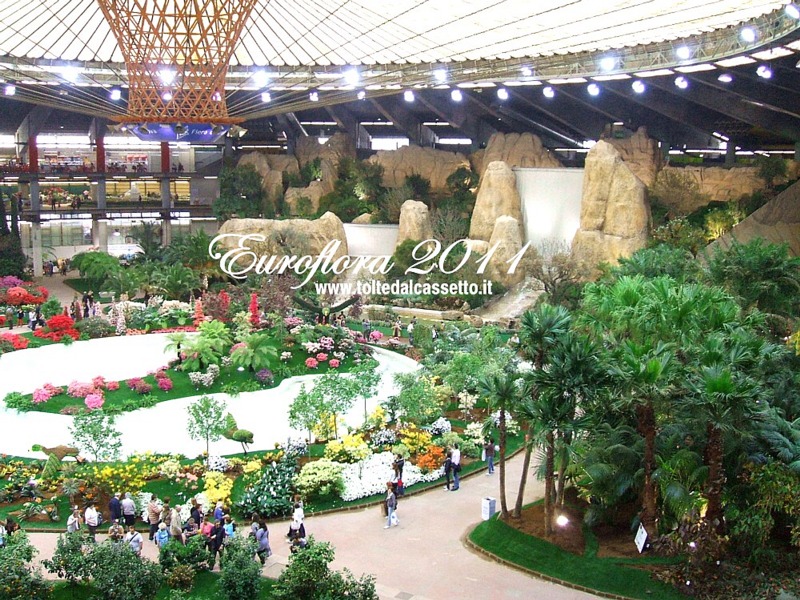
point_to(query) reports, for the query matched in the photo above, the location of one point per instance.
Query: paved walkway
(424, 557)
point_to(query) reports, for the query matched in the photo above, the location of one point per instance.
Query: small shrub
(180, 578)
(241, 575)
(320, 478)
(121, 575)
(194, 555)
(17, 401)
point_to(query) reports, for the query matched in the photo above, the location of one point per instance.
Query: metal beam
(349, 124)
(461, 117)
(405, 121)
(293, 129)
(755, 90)
(562, 109)
(30, 127)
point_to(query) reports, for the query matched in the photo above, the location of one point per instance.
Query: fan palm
(255, 352)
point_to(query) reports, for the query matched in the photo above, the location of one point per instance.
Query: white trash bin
(488, 507)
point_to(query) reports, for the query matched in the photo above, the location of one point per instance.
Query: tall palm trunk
(503, 435)
(549, 483)
(523, 479)
(716, 478)
(563, 463)
(647, 428)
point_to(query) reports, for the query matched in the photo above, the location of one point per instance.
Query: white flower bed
(369, 476)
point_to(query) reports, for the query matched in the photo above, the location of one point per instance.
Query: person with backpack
(448, 469)
(134, 540)
(455, 457)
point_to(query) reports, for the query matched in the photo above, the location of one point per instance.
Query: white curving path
(161, 428)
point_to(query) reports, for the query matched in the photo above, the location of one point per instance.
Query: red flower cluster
(58, 327)
(20, 295)
(19, 342)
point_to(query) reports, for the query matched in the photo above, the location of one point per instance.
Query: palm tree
(255, 352)
(177, 342)
(502, 391)
(540, 330)
(148, 235)
(176, 281)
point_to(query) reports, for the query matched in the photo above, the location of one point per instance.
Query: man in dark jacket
(115, 508)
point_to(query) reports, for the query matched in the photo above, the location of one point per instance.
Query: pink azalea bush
(326, 343)
(99, 382)
(375, 335)
(238, 346)
(333, 363)
(164, 384)
(112, 386)
(94, 401)
(311, 363)
(292, 322)
(322, 357)
(44, 393)
(79, 389)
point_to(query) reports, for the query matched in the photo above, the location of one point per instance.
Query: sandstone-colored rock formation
(516, 150)
(364, 219)
(778, 221)
(721, 184)
(507, 236)
(640, 153)
(338, 146)
(271, 168)
(288, 236)
(415, 222)
(314, 191)
(614, 210)
(497, 196)
(474, 320)
(434, 165)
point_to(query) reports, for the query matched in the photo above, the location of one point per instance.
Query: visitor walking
(410, 330)
(391, 506)
(176, 524)
(448, 469)
(456, 459)
(397, 465)
(262, 537)
(162, 535)
(92, 519)
(129, 510)
(134, 540)
(489, 450)
(397, 330)
(153, 516)
(115, 508)
(74, 521)
(216, 543)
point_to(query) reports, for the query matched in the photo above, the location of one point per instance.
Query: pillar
(730, 153)
(165, 157)
(166, 231)
(36, 200)
(100, 234)
(101, 193)
(36, 245)
(166, 196)
(100, 154)
(33, 155)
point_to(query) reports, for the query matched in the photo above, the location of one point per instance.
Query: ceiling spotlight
(764, 71)
(456, 96)
(314, 96)
(440, 75)
(361, 94)
(408, 96)
(638, 86)
(608, 63)
(143, 129)
(180, 128)
(792, 11)
(71, 73)
(265, 97)
(684, 53)
(10, 90)
(682, 82)
(527, 72)
(725, 78)
(502, 94)
(548, 92)
(124, 128)
(260, 78)
(352, 76)
(166, 96)
(216, 97)
(593, 89)
(167, 76)
(748, 35)
(115, 94)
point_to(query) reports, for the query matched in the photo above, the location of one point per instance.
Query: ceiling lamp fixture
(115, 94)
(352, 76)
(166, 96)
(548, 92)
(684, 53)
(638, 86)
(527, 72)
(10, 90)
(361, 94)
(217, 129)
(502, 94)
(608, 63)
(440, 75)
(456, 96)
(748, 35)
(313, 96)
(593, 89)
(792, 11)
(725, 78)
(143, 129)
(260, 78)
(180, 128)
(71, 74)
(764, 72)
(408, 96)
(265, 97)
(167, 76)
(681, 82)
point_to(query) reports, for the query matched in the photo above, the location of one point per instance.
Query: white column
(36, 245)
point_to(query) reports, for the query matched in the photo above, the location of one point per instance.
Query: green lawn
(82, 286)
(610, 575)
(205, 588)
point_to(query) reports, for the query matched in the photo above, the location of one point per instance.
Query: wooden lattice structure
(177, 54)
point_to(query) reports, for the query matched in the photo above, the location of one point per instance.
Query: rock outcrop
(415, 222)
(271, 168)
(338, 146)
(434, 165)
(289, 236)
(364, 219)
(497, 196)
(314, 191)
(640, 153)
(507, 236)
(516, 150)
(720, 184)
(615, 213)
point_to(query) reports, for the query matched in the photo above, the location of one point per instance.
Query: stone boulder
(640, 153)
(364, 219)
(720, 184)
(338, 146)
(415, 222)
(507, 236)
(474, 320)
(497, 196)
(516, 150)
(434, 165)
(271, 168)
(615, 214)
(288, 236)
(314, 191)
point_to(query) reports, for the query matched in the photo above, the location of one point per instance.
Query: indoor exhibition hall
(413, 300)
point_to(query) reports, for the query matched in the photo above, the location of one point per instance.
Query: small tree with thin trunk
(207, 420)
(94, 432)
